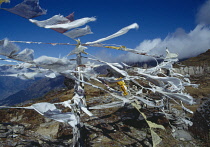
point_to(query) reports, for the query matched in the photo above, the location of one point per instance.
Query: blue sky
(160, 21)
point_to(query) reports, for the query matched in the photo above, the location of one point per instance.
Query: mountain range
(11, 85)
(26, 90)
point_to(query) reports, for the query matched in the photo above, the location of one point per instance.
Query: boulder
(49, 129)
(201, 121)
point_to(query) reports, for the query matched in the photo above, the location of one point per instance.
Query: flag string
(30, 42)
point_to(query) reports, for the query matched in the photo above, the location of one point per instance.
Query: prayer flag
(119, 33)
(27, 55)
(70, 17)
(62, 24)
(78, 32)
(70, 25)
(7, 48)
(27, 9)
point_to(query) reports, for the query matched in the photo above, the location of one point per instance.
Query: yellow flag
(155, 138)
(115, 47)
(4, 1)
(123, 86)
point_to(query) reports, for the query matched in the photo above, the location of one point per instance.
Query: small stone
(143, 134)
(2, 127)
(47, 119)
(40, 141)
(147, 143)
(18, 129)
(4, 135)
(181, 139)
(3, 131)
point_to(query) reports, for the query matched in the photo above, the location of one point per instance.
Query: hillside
(200, 60)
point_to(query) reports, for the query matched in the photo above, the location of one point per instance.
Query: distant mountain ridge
(11, 85)
(200, 60)
(37, 89)
(199, 65)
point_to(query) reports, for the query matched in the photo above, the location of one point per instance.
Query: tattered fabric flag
(186, 98)
(79, 32)
(78, 49)
(7, 48)
(150, 103)
(70, 17)
(54, 64)
(50, 75)
(109, 105)
(170, 55)
(174, 82)
(6, 60)
(80, 102)
(49, 110)
(113, 66)
(74, 24)
(27, 9)
(4, 1)
(58, 21)
(119, 33)
(27, 55)
(23, 76)
(29, 75)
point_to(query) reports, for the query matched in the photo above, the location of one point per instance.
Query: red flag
(70, 17)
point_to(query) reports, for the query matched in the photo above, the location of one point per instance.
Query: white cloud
(105, 55)
(203, 16)
(185, 44)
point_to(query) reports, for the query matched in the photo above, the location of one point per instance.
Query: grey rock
(49, 130)
(2, 127)
(5, 135)
(201, 121)
(11, 143)
(182, 135)
(142, 134)
(3, 131)
(147, 143)
(192, 70)
(18, 129)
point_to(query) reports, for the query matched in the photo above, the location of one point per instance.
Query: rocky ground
(111, 127)
(116, 127)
